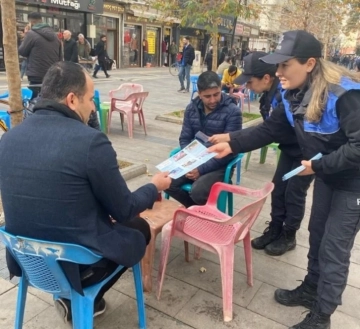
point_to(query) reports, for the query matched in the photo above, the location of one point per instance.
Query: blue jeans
(184, 72)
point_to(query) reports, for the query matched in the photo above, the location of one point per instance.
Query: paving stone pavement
(190, 299)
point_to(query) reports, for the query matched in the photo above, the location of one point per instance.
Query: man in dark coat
(212, 112)
(41, 47)
(70, 48)
(102, 56)
(188, 56)
(60, 181)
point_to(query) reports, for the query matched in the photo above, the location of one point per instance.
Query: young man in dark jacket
(41, 47)
(188, 57)
(67, 186)
(70, 48)
(288, 197)
(212, 112)
(102, 56)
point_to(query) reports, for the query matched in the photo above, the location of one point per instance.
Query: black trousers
(288, 197)
(102, 64)
(98, 272)
(334, 223)
(200, 188)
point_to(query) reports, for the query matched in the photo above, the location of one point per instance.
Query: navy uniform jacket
(60, 181)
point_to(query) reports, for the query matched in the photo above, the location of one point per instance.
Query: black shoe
(94, 76)
(108, 76)
(314, 320)
(271, 233)
(285, 242)
(63, 307)
(304, 295)
(181, 89)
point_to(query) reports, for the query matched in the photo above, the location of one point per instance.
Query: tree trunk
(12, 60)
(214, 37)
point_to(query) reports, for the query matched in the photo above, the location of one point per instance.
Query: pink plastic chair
(125, 90)
(242, 96)
(131, 105)
(208, 228)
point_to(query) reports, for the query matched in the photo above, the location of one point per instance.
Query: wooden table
(162, 213)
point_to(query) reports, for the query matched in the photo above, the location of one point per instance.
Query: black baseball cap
(294, 44)
(253, 67)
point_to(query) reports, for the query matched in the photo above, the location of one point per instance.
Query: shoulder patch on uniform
(337, 90)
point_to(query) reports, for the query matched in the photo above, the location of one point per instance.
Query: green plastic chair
(103, 110)
(263, 153)
(224, 196)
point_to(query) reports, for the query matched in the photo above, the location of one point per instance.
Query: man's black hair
(36, 16)
(187, 37)
(63, 78)
(232, 68)
(208, 80)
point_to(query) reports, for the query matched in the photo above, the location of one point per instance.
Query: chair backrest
(39, 260)
(137, 100)
(247, 215)
(26, 94)
(194, 80)
(97, 100)
(125, 90)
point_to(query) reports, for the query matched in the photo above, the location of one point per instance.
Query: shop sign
(247, 31)
(92, 6)
(254, 32)
(151, 39)
(113, 8)
(239, 29)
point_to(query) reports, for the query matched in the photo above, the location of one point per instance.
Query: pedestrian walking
(102, 56)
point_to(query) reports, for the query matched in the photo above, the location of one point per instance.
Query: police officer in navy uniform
(322, 106)
(288, 197)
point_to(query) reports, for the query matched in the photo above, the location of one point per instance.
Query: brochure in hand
(187, 159)
(299, 169)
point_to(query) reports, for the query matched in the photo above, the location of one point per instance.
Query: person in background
(212, 112)
(102, 56)
(188, 56)
(163, 52)
(66, 186)
(224, 65)
(23, 60)
(145, 47)
(229, 76)
(209, 59)
(42, 48)
(70, 48)
(174, 49)
(84, 47)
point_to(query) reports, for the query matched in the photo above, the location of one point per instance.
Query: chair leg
(139, 296)
(227, 275)
(248, 258)
(238, 172)
(197, 252)
(263, 153)
(82, 310)
(248, 156)
(122, 121)
(20, 303)
(130, 121)
(230, 204)
(165, 248)
(147, 263)
(109, 121)
(278, 153)
(143, 120)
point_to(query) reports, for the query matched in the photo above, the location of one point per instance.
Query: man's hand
(219, 138)
(223, 149)
(161, 180)
(308, 170)
(193, 174)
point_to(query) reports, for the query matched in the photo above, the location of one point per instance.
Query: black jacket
(71, 51)
(42, 48)
(60, 181)
(100, 50)
(188, 55)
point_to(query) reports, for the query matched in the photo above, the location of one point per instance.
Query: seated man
(224, 65)
(212, 112)
(227, 82)
(60, 181)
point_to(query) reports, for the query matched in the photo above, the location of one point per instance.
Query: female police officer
(322, 105)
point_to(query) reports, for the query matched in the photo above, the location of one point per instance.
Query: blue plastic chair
(39, 260)
(193, 80)
(224, 196)
(26, 94)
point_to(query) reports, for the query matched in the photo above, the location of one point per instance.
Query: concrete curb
(172, 119)
(133, 171)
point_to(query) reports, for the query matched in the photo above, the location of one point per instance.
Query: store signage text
(66, 3)
(113, 8)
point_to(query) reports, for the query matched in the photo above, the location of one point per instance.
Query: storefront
(142, 40)
(59, 14)
(110, 24)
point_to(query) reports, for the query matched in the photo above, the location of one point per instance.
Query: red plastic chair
(131, 105)
(208, 228)
(125, 90)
